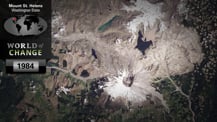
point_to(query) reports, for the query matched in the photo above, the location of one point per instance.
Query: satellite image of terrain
(121, 61)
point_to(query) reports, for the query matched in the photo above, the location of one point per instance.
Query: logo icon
(25, 25)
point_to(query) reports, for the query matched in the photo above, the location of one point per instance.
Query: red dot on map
(14, 19)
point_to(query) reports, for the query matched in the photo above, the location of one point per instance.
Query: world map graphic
(25, 25)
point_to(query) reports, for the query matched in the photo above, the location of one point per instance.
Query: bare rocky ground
(85, 45)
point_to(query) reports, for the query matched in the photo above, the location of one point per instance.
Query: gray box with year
(22, 65)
